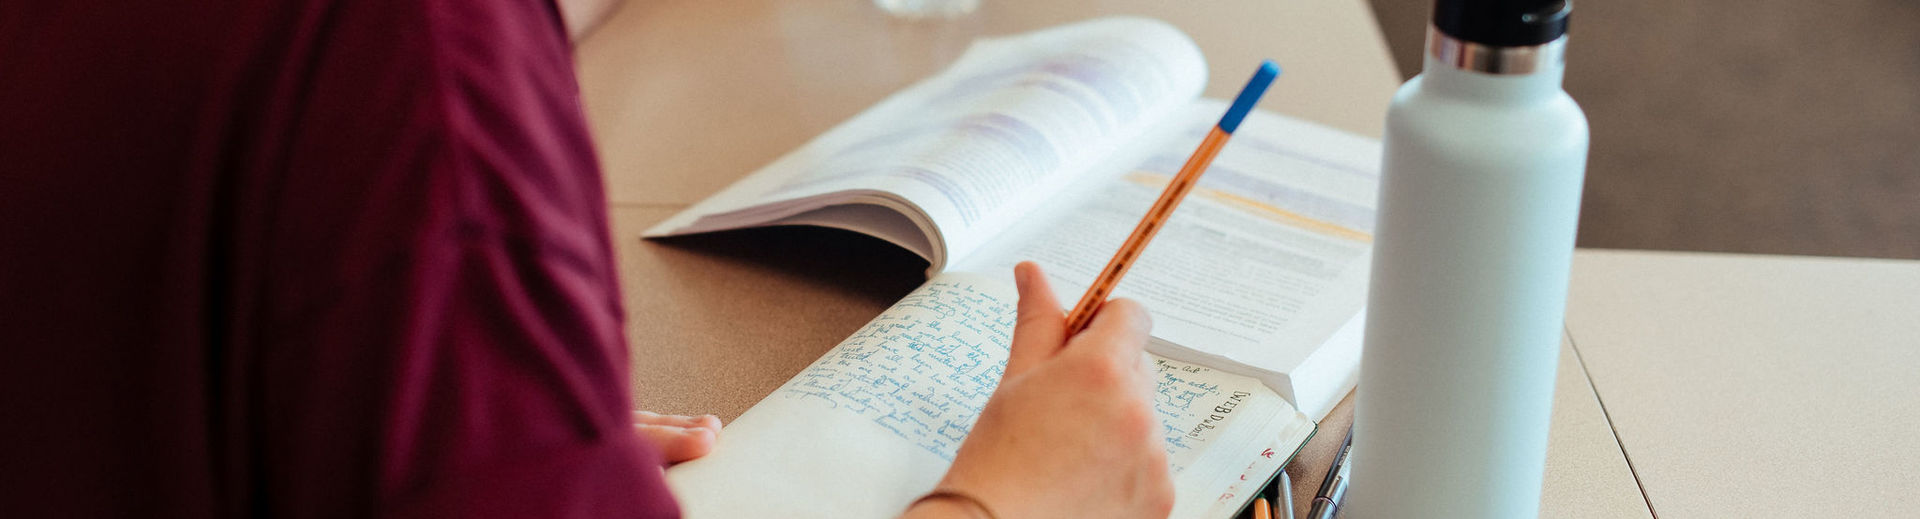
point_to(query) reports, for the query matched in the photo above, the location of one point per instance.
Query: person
(349, 258)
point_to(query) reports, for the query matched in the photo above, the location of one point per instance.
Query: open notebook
(1049, 146)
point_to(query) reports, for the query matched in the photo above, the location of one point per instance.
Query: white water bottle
(1479, 200)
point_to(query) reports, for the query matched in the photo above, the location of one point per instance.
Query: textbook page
(966, 152)
(875, 422)
(1262, 265)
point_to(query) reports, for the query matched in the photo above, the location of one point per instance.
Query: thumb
(1042, 327)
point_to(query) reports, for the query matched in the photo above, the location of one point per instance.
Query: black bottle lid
(1503, 23)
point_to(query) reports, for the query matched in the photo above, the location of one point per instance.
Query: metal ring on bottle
(1493, 59)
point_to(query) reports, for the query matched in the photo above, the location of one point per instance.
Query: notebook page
(876, 421)
(1262, 262)
(982, 142)
(1216, 426)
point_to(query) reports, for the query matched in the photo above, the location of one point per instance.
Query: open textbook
(1049, 146)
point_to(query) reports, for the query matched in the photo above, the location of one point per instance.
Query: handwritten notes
(923, 369)
(1195, 403)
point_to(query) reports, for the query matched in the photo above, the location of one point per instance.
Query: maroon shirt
(306, 258)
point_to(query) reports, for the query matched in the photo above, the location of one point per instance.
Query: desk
(1737, 385)
(1702, 362)
(1757, 386)
(686, 96)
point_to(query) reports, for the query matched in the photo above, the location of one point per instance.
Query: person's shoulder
(444, 121)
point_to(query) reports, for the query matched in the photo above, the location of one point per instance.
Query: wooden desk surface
(686, 96)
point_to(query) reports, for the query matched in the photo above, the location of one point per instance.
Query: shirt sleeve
(306, 258)
(440, 331)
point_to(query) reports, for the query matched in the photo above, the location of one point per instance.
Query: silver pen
(1283, 507)
(1327, 504)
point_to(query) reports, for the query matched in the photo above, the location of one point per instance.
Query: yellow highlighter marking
(1257, 208)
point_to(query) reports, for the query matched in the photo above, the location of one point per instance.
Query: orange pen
(1170, 199)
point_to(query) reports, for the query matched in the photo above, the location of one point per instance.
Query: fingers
(1118, 330)
(707, 421)
(1110, 352)
(678, 444)
(679, 438)
(1042, 327)
(1149, 381)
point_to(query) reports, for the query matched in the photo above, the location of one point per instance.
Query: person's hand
(679, 438)
(1071, 431)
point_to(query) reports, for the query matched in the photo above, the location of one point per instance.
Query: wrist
(949, 502)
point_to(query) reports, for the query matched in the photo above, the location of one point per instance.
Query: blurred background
(1759, 126)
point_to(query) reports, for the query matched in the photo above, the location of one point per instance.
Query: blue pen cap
(1250, 95)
